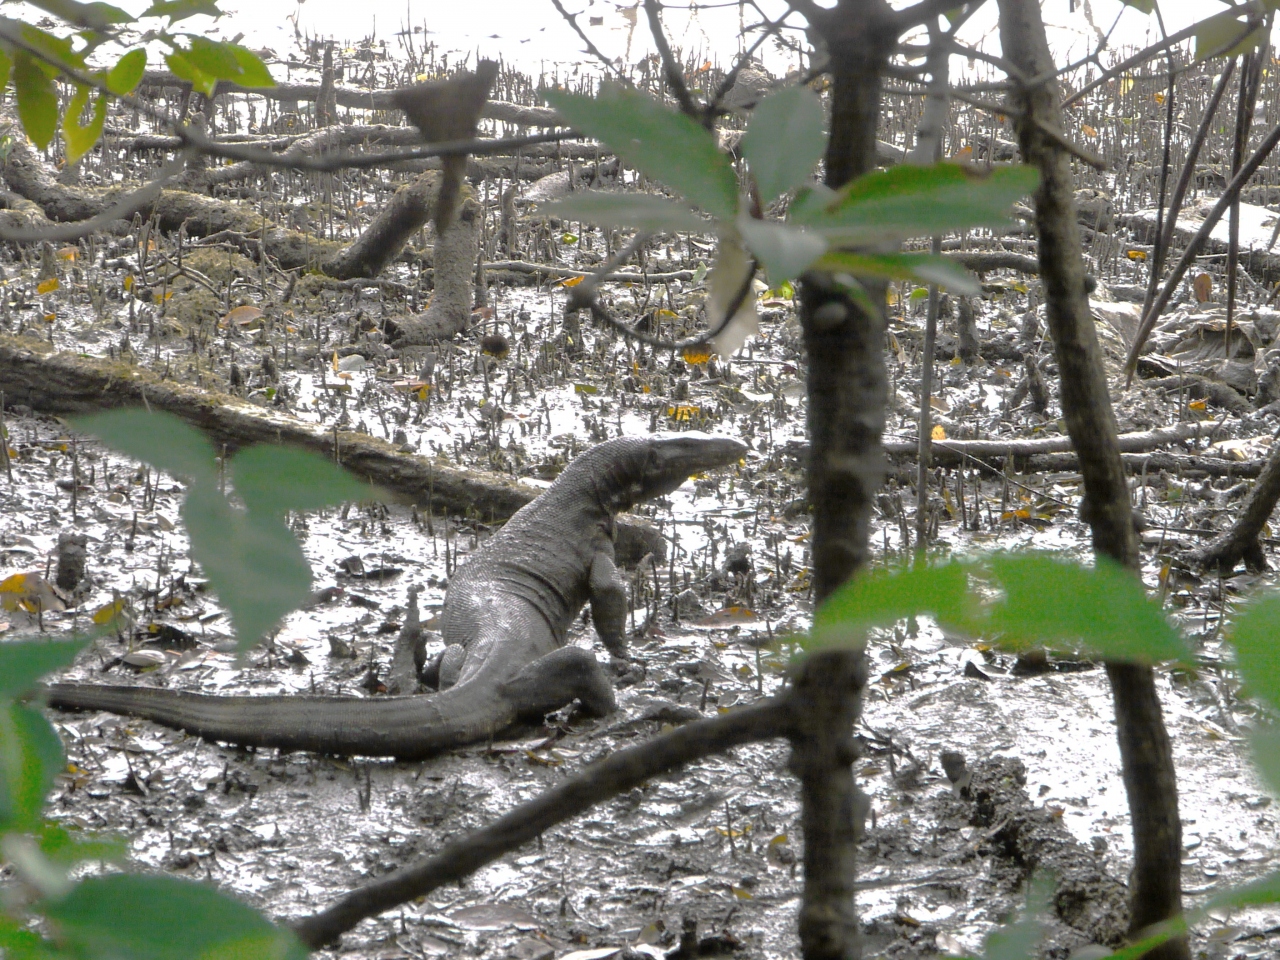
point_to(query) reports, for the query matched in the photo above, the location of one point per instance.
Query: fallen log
(31, 373)
(552, 270)
(157, 80)
(956, 451)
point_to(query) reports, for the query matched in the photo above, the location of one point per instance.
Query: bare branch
(586, 299)
(929, 10)
(671, 70)
(572, 20)
(771, 28)
(609, 777)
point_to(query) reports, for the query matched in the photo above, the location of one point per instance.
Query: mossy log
(32, 373)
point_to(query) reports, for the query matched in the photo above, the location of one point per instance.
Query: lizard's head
(655, 466)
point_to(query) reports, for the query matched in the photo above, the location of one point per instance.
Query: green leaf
(6, 67)
(783, 250)
(1103, 609)
(1223, 35)
(923, 267)
(65, 848)
(639, 211)
(177, 10)
(1257, 893)
(162, 918)
(19, 943)
(1018, 940)
(184, 69)
(22, 664)
(911, 201)
(1146, 6)
(784, 141)
(213, 58)
(1257, 652)
(1143, 947)
(37, 99)
(160, 439)
(272, 480)
(124, 77)
(89, 16)
(661, 143)
(1265, 742)
(57, 49)
(30, 757)
(80, 139)
(253, 72)
(733, 271)
(253, 561)
(885, 596)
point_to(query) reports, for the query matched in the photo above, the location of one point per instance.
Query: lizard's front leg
(609, 601)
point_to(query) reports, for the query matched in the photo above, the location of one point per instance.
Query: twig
(1142, 56)
(572, 20)
(580, 299)
(1057, 136)
(771, 27)
(609, 777)
(671, 70)
(1193, 248)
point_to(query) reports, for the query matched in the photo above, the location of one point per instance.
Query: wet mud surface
(701, 862)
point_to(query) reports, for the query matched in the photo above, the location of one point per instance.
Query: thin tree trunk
(847, 390)
(1145, 752)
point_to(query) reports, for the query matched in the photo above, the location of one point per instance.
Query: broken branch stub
(443, 111)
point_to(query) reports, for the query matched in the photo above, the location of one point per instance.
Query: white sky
(530, 33)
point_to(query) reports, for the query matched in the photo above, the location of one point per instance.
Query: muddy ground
(718, 843)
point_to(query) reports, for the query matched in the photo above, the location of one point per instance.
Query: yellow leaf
(665, 314)
(105, 614)
(1159, 97)
(1197, 405)
(1203, 287)
(1126, 84)
(335, 361)
(1088, 130)
(585, 388)
(68, 253)
(571, 281)
(14, 584)
(48, 286)
(423, 391)
(683, 411)
(168, 295)
(50, 317)
(1136, 254)
(128, 283)
(938, 433)
(696, 355)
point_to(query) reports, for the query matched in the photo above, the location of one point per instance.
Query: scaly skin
(506, 616)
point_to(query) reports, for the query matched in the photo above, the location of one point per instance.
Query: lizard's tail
(408, 728)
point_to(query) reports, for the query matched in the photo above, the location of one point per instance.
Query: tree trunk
(455, 257)
(1145, 752)
(847, 393)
